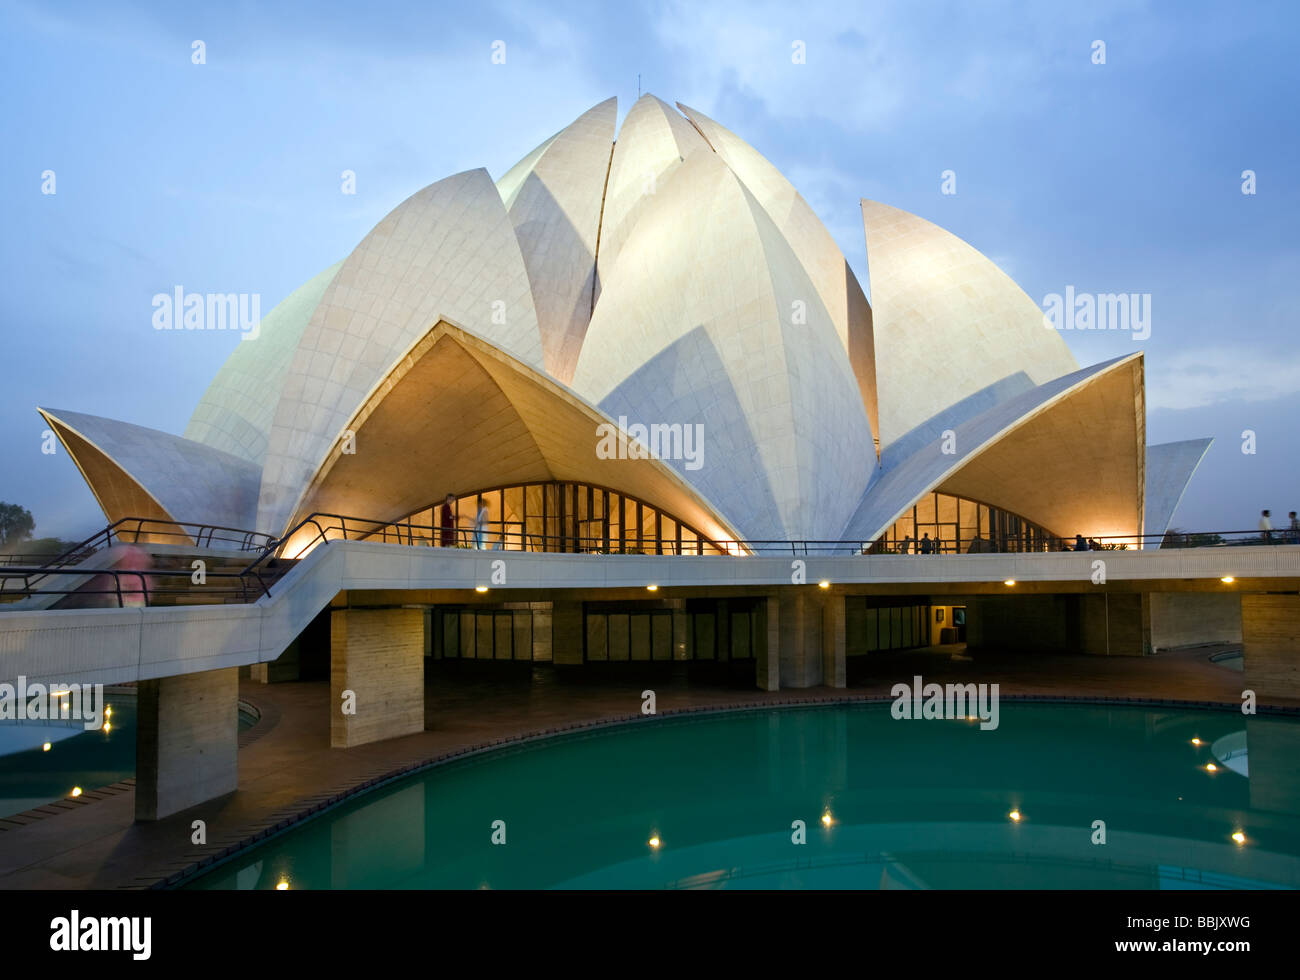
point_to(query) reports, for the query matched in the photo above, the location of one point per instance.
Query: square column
(378, 655)
(834, 642)
(801, 640)
(768, 644)
(187, 741)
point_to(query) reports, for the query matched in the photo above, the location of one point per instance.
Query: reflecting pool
(1057, 796)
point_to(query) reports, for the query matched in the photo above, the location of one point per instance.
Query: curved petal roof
(135, 471)
(822, 259)
(948, 322)
(235, 413)
(1066, 454)
(514, 425)
(652, 143)
(693, 327)
(448, 251)
(1169, 468)
(554, 198)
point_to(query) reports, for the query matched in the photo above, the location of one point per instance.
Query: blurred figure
(447, 522)
(1295, 528)
(1265, 527)
(906, 547)
(480, 525)
(927, 546)
(1079, 543)
(133, 587)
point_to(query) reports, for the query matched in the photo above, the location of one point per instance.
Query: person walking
(1265, 527)
(1295, 528)
(906, 547)
(447, 522)
(480, 525)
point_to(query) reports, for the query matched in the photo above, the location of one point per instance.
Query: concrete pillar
(566, 632)
(834, 641)
(378, 655)
(187, 741)
(1270, 643)
(801, 640)
(768, 645)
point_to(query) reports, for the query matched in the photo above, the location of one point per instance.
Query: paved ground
(287, 769)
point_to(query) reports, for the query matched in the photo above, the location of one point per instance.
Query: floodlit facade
(644, 340)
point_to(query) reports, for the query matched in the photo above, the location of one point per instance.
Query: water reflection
(913, 804)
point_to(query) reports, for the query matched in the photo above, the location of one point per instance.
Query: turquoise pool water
(911, 804)
(31, 776)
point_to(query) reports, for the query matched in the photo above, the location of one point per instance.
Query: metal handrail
(252, 580)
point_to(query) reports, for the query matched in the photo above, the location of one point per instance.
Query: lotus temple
(626, 408)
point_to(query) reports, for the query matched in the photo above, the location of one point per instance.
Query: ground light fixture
(1014, 815)
(827, 819)
(45, 747)
(76, 791)
(282, 885)
(1239, 837)
(1196, 741)
(1211, 767)
(654, 841)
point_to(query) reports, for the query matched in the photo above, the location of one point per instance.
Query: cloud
(1206, 376)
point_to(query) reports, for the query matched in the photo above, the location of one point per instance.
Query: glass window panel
(619, 642)
(895, 627)
(668, 528)
(871, 629)
(640, 636)
(450, 634)
(597, 635)
(925, 511)
(523, 634)
(503, 627)
(906, 638)
(484, 644)
(661, 627)
(690, 541)
(467, 635)
(703, 627)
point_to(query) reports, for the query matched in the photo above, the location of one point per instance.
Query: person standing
(447, 522)
(1079, 543)
(927, 545)
(1265, 527)
(1295, 528)
(480, 525)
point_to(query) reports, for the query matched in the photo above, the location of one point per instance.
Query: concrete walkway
(287, 769)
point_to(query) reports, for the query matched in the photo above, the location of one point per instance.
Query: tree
(16, 524)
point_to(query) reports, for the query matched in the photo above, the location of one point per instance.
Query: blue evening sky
(225, 177)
